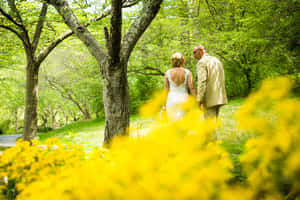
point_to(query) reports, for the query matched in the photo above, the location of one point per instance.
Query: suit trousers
(212, 112)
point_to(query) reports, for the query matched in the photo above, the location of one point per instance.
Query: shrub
(271, 160)
(24, 164)
(4, 126)
(175, 160)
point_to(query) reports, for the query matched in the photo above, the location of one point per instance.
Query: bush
(43, 129)
(176, 160)
(24, 164)
(4, 126)
(271, 160)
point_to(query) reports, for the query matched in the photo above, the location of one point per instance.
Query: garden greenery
(174, 160)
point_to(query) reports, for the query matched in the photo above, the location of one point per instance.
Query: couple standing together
(210, 94)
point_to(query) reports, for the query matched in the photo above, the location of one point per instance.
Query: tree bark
(45, 120)
(248, 77)
(53, 116)
(116, 101)
(30, 118)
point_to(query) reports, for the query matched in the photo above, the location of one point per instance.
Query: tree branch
(43, 54)
(156, 72)
(115, 31)
(104, 14)
(24, 34)
(79, 29)
(10, 18)
(12, 30)
(107, 11)
(107, 40)
(39, 27)
(209, 8)
(65, 93)
(12, 5)
(138, 27)
(126, 4)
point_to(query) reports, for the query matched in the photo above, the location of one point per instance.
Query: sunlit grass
(87, 133)
(232, 138)
(90, 133)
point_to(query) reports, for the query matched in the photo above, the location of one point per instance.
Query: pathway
(8, 140)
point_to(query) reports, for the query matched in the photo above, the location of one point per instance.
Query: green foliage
(141, 89)
(253, 39)
(5, 126)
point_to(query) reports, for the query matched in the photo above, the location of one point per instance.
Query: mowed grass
(87, 133)
(90, 133)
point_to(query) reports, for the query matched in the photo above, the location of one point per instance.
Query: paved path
(8, 140)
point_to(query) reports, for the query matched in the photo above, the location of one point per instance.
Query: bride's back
(177, 75)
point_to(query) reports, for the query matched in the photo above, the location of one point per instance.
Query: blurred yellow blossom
(174, 160)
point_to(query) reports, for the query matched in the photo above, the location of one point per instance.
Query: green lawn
(90, 133)
(233, 139)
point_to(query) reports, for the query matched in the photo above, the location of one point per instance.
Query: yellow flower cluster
(175, 160)
(25, 163)
(271, 160)
(154, 105)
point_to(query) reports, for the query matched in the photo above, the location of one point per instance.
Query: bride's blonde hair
(177, 59)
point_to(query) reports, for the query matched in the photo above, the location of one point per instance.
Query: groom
(211, 92)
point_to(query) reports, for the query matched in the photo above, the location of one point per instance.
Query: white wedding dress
(176, 96)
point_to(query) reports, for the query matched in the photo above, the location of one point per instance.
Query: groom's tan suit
(211, 84)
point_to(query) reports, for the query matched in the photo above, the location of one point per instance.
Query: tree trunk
(248, 77)
(67, 119)
(30, 116)
(53, 115)
(116, 101)
(113, 65)
(16, 122)
(86, 113)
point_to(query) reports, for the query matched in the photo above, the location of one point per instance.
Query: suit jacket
(211, 82)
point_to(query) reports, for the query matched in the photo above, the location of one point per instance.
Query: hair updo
(177, 59)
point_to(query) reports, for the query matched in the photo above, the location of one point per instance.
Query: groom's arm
(202, 80)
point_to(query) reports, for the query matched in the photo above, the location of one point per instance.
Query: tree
(73, 73)
(20, 22)
(113, 63)
(13, 21)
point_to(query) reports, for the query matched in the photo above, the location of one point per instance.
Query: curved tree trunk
(116, 101)
(30, 116)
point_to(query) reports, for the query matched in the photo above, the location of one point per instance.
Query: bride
(177, 81)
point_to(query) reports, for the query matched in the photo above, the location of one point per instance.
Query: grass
(232, 138)
(87, 133)
(90, 133)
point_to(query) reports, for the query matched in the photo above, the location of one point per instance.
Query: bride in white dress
(177, 81)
